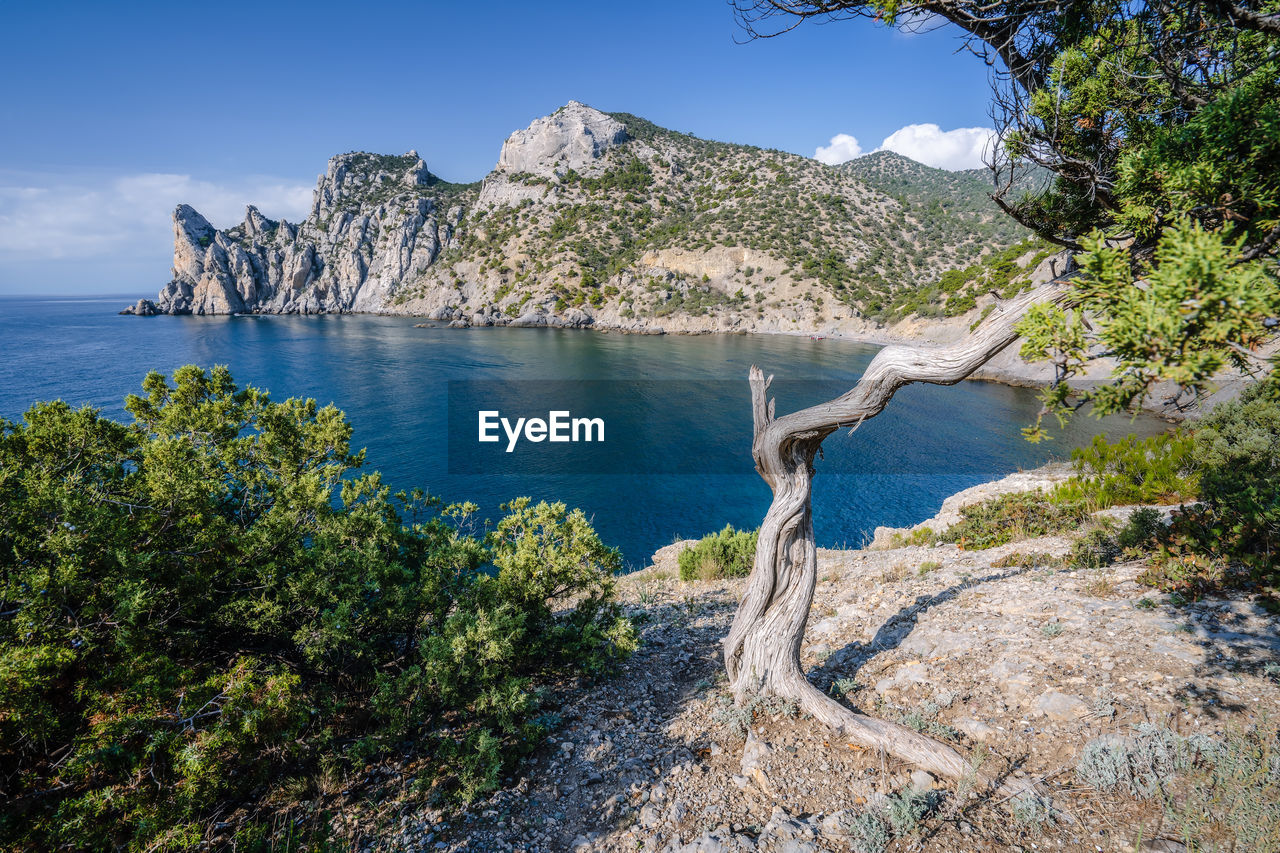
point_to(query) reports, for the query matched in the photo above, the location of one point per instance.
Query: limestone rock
(569, 138)
(754, 756)
(975, 729)
(373, 227)
(1060, 706)
(143, 308)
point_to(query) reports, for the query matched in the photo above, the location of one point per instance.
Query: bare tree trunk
(762, 651)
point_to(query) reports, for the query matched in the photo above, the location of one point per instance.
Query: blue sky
(116, 112)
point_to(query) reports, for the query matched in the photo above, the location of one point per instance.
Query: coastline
(1006, 368)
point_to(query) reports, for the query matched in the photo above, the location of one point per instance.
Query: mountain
(603, 219)
(963, 196)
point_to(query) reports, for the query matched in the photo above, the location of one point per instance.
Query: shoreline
(1006, 368)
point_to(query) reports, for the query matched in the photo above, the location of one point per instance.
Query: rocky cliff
(595, 219)
(375, 222)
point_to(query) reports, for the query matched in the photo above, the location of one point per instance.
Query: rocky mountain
(601, 219)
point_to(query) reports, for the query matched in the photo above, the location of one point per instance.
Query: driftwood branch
(762, 651)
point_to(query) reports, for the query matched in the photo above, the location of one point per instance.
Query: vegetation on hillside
(1159, 123)
(816, 235)
(212, 613)
(1223, 473)
(727, 554)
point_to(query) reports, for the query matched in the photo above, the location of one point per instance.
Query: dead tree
(762, 651)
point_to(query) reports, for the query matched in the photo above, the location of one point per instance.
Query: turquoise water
(393, 381)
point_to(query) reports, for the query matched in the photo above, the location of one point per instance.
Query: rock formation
(375, 222)
(604, 220)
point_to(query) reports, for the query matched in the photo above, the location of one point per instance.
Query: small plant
(906, 809)
(738, 718)
(928, 566)
(1206, 785)
(1143, 528)
(844, 686)
(1099, 585)
(1137, 765)
(1103, 707)
(1051, 629)
(1031, 811)
(1096, 549)
(1021, 515)
(727, 554)
(895, 573)
(924, 536)
(1145, 603)
(925, 720)
(1181, 568)
(868, 833)
(1020, 560)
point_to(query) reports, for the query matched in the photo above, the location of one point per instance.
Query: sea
(673, 460)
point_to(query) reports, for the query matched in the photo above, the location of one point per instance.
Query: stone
(649, 817)
(754, 755)
(1060, 706)
(922, 780)
(975, 729)
(143, 308)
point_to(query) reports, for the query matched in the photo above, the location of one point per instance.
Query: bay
(690, 399)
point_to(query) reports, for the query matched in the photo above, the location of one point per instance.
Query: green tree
(215, 602)
(1159, 125)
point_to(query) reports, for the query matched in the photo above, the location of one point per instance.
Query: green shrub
(1237, 450)
(727, 554)
(1154, 470)
(1145, 526)
(868, 833)
(1096, 549)
(213, 607)
(1020, 515)
(1182, 565)
(921, 536)
(906, 809)
(1019, 560)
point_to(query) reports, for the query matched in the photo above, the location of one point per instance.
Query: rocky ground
(1004, 653)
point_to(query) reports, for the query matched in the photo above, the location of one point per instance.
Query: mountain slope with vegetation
(608, 220)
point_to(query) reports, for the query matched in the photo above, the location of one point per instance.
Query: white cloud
(957, 149)
(843, 147)
(54, 217)
(961, 148)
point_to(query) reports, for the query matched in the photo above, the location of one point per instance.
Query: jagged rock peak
(189, 219)
(570, 138)
(360, 174)
(256, 226)
(192, 235)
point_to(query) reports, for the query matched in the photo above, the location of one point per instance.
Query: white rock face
(373, 227)
(573, 137)
(570, 138)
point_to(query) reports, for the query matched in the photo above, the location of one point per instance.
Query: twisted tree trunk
(762, 651)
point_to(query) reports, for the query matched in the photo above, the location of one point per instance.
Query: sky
(115, 113)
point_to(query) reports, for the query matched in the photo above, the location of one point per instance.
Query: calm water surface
(392, 381)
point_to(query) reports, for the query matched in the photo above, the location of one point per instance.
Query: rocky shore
(1022, 664)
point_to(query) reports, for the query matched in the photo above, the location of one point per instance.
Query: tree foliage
(1160, 122)
(214, 602)
(1238, 450)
